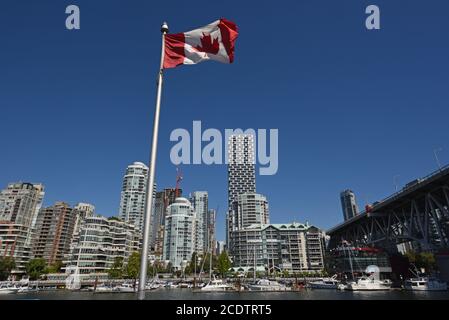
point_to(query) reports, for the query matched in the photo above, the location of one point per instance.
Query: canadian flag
(212, 42)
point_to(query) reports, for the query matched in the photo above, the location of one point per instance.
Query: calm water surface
(187, 294)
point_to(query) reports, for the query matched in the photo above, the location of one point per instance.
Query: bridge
(418, 215)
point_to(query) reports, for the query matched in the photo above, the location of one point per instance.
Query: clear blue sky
(353, 107)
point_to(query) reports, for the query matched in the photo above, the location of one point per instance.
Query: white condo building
(179, 233)
(241, 174)
(133, 195)
(199, 200)
(99, 242)
(249, 209)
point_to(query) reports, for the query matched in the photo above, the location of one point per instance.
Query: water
(187, 294)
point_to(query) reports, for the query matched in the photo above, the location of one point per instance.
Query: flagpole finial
(164, 27)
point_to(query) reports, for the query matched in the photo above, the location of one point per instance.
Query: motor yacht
(268, 285)
(125, 287)
(425, 284)
(325, 283)
(216, 285)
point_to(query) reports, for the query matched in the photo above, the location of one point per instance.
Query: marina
(188, 294)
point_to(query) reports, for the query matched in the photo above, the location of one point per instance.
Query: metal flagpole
(150, 182)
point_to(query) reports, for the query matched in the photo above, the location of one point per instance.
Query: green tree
(54, 268)
(411, 256)
(116, 271)
(133, 266)
(427, 261)
(169, 268)
(424, 260)
(223, 263)
(35, 268)
(6, 266)
(193, 265)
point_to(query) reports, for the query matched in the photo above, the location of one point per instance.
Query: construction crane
(179, 178)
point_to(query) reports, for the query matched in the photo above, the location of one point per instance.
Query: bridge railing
(419, 182)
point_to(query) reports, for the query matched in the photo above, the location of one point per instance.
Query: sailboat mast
(210, 265)
(350, 263)
(254, 273)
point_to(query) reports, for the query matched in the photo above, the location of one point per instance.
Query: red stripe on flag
(229, 34)
(174, 50)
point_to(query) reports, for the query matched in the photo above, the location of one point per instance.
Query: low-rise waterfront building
(293, 247)
(100, 241)
(353, 260)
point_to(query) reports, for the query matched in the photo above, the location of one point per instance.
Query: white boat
(125, 287)
(370, 282)
(8, 290)
(171, 285)
(153, 286)
(325, 283)
(27, 288)
(216, 285)
(267, 285)
(425, 284)
(341, 286)
(420, 282)
(105, 289)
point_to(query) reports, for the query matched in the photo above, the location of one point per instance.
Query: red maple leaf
(207, 45)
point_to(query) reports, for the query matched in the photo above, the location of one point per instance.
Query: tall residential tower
(199, 200)
(241, 174)
(348, 204)
(133, 195)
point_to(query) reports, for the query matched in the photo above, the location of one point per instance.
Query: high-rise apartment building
(200, 203)
(211, 225)
(19, 206)
(162, 200)
(241, 173)
(179, 233)
(220, 247)
(21, 202)
(54, 231)
(348, 204)
(133, 195)
(249, 209)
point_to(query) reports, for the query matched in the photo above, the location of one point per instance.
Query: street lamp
(435, 152)
(395, 181)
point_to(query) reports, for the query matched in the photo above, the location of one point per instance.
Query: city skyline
(349, 117)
